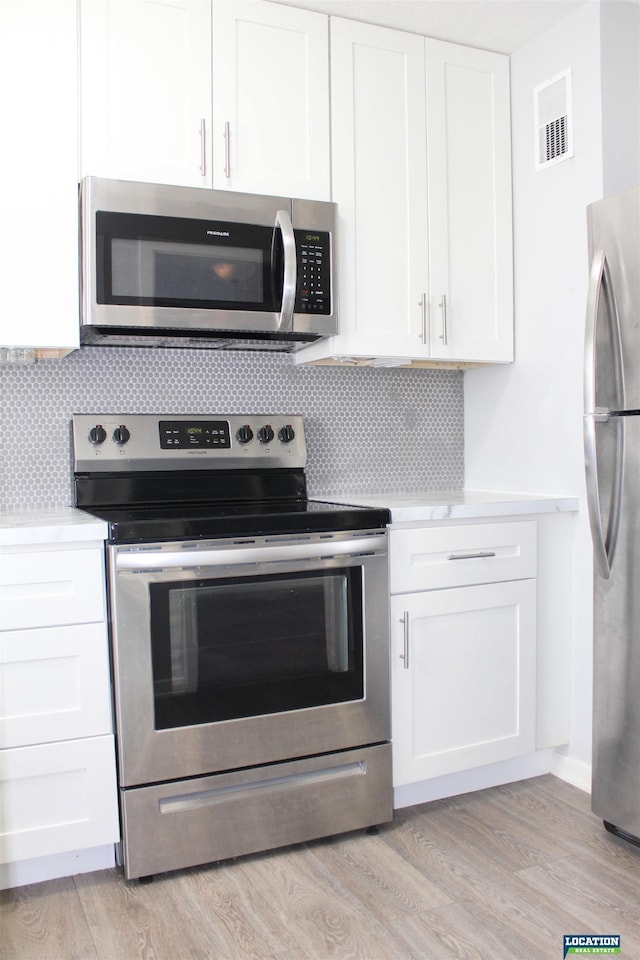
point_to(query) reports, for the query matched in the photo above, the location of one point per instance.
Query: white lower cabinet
(57, 797)
(57, 763)
(463, 656)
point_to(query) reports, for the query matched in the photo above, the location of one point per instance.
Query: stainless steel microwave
(192, 267)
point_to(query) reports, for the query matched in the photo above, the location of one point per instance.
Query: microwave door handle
(283, 223)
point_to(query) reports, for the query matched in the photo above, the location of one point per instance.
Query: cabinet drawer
(429, 558)
(54, 684)
(57, 797)
(50, 587)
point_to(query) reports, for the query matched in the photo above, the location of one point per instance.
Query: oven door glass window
(242, 647)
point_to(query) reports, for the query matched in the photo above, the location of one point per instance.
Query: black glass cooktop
(187, 505)
(156, 522)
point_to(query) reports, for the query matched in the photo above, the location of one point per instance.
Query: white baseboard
(22, 872)
(566, 768)
(452, 785)
(575, 772)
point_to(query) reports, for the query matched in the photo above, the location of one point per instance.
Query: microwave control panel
(313, 252)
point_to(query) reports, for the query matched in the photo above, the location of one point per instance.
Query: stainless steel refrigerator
(612, 461)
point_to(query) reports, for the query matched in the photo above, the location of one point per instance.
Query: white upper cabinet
(167, 88)
(146, 90)
(421, 174)
(470, 224)
(379, 184)
(270, 99)
(39, 176)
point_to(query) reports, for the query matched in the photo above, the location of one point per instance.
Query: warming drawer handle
(480, 555)
(245, 791)
(270, 553)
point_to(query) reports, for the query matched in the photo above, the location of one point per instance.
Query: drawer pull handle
(405, 654)
(472, 556)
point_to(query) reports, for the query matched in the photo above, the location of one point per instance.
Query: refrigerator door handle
(600, 284)
(604, 543)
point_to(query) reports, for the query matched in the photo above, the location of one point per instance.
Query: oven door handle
(269, 553)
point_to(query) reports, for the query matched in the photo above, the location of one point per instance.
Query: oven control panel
(120, 442)
(194, 435)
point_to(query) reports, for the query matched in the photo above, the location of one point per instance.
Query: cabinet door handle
(203, 147)
(472, 556)
(405, 654)
(444, 336)
(423, 313)
(227, 150)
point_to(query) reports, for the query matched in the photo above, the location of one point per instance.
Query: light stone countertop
(68, 525)
(458, 504)
(49, 526)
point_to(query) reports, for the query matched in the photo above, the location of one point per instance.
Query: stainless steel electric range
(249, 633)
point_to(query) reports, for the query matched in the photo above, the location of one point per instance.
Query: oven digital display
(201, 434)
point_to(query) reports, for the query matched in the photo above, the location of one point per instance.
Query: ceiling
(500, 25)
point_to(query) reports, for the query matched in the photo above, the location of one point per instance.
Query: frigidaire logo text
(217, 233)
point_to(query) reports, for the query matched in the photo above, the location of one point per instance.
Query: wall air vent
(553, 120)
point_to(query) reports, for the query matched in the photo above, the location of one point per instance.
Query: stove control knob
(265, 434)
(286, 433)
(244, 434)
(97, 435)
(121, 435)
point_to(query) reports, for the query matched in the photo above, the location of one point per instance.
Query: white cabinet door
(379, 184)
(470, 222)
(270, 99)
(42, 588)
(54, 684)
(57, 797)
(39, 176)
(146, 90)
(463, 678)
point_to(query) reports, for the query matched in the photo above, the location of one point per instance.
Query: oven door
(229, 654)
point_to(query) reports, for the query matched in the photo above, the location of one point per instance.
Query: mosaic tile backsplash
(368, 430)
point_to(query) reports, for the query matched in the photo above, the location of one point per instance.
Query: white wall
(619, 43)
(523, 422)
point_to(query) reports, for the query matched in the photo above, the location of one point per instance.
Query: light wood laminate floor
(495, 875)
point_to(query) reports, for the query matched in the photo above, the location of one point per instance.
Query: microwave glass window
(166, 271)
(144, 260)
(223, 649)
